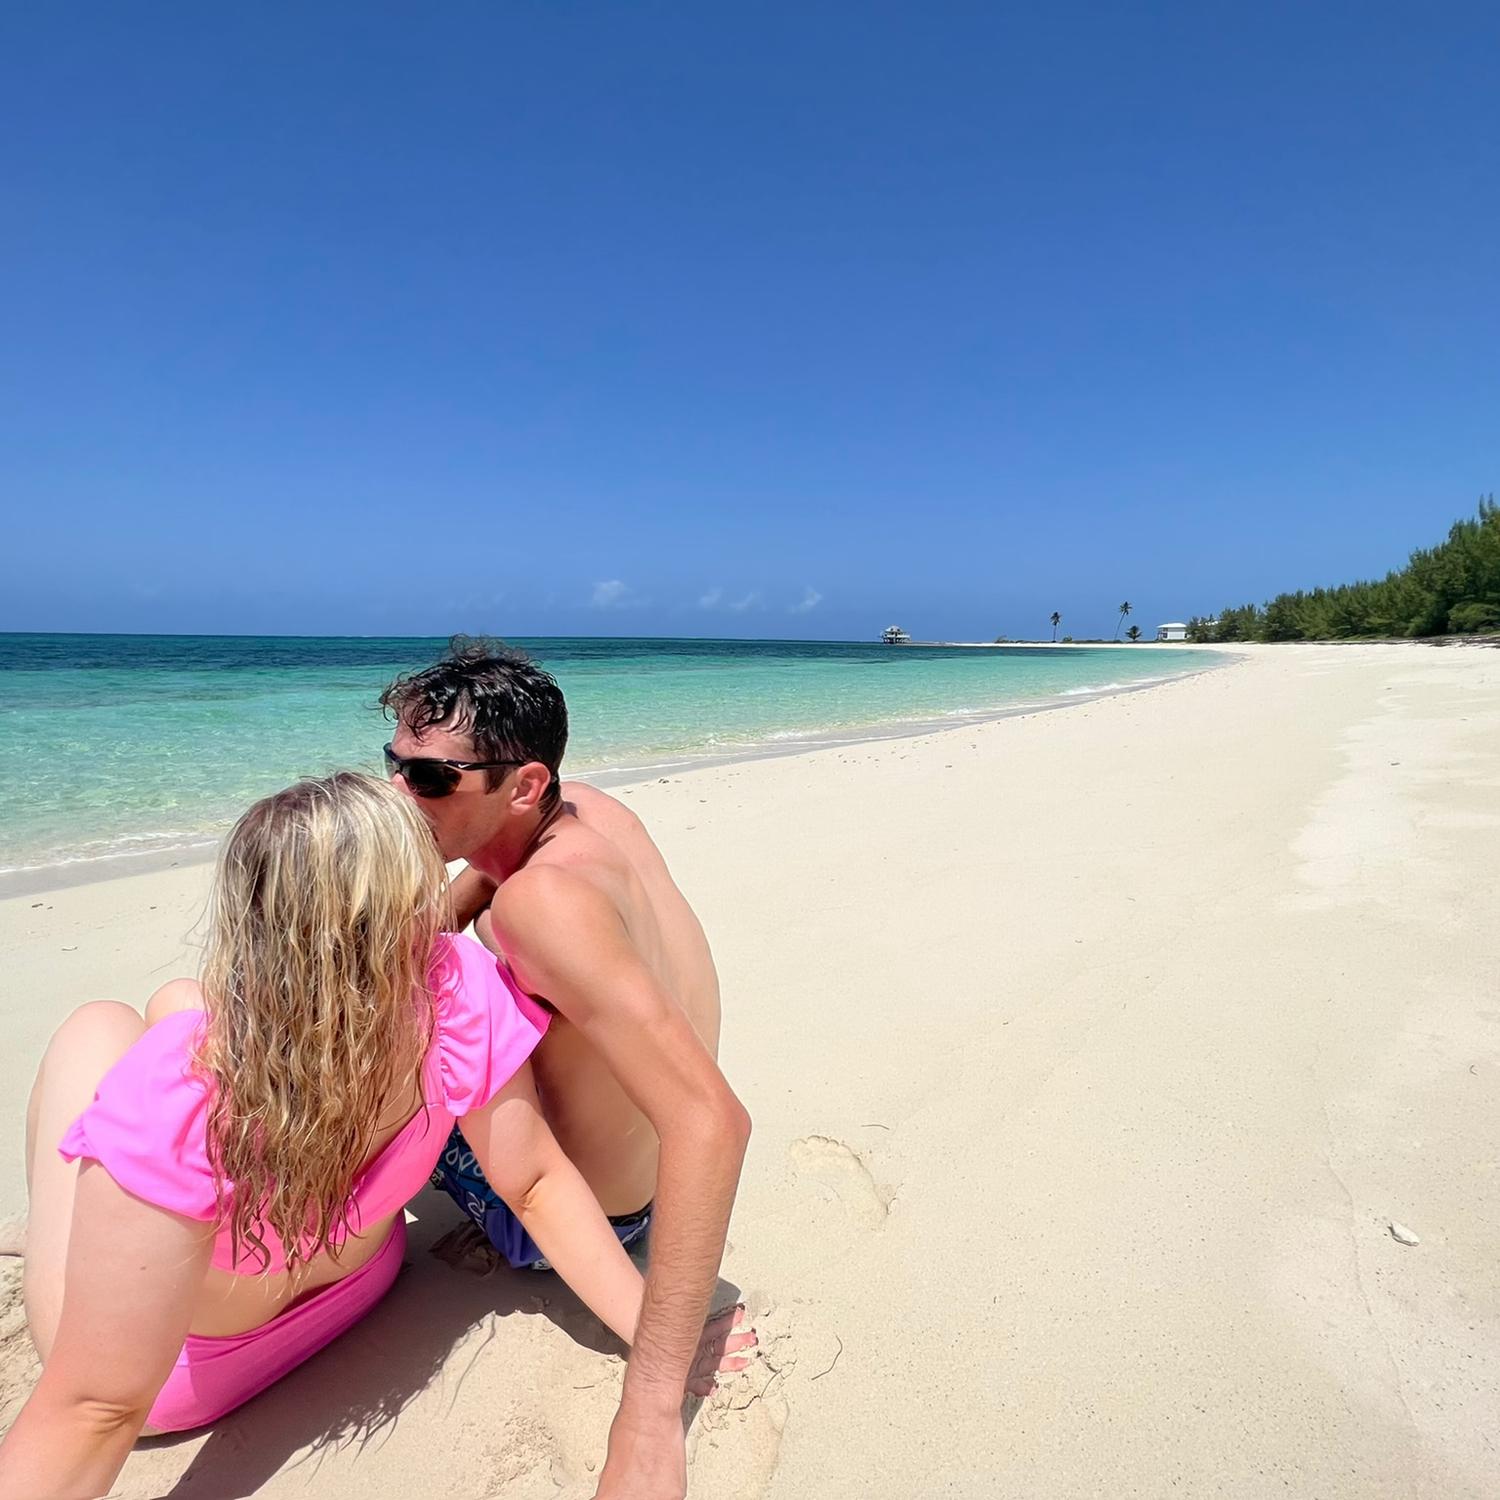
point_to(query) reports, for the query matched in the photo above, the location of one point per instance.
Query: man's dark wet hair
(498, 696)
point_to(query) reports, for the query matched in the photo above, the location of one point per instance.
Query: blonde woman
(216, 1196)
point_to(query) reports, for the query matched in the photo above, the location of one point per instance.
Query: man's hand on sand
(647, 1459)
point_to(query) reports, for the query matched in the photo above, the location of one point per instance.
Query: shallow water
(121, 743)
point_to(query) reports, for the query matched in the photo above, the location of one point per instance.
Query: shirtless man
(566, 886)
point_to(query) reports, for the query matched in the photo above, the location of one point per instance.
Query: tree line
(1450, 589)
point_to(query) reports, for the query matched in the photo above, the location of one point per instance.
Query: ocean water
(124, 743)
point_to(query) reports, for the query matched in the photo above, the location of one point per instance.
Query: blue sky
(546, 318)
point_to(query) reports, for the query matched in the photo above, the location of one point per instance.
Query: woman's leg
(83, 1049)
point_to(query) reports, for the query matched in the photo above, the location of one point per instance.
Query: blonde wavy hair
(327, 901)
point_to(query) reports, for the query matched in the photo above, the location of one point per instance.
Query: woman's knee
(98, 1023)
(174, 995)
(82, 1050)
(92, 1038)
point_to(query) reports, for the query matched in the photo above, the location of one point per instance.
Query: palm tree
(1124, 610)
(1056, 621)
(1134, 633)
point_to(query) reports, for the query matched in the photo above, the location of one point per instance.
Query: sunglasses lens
(427, 778)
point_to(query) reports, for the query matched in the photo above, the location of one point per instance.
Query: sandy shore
(1091, 1053)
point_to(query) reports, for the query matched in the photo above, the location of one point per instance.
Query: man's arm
(566, 942)
(469, 893)
(522, 1161)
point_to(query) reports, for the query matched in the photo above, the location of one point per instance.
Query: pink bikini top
(146, 1126)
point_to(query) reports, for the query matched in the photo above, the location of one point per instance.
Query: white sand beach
(1092, 1055)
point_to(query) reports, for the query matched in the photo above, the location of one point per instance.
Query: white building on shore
(1175, 631)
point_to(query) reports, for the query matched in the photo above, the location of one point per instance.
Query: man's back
(599, 840)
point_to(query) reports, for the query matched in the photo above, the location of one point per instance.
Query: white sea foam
(1113, 687)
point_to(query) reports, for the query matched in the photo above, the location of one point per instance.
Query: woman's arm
(524, 1164)
(134, 1272)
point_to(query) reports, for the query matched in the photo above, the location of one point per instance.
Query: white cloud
(710, 598)
(609, 594)
(811, 599)
(747, 601)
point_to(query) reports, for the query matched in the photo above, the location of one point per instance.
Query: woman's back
(217, 1196)
(148, 1127)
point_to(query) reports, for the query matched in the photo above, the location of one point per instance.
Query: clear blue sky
(783, 319)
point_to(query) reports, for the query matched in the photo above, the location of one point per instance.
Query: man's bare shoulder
(624, 841)
(586, 794)
(559, 932)
(549, 903)
(580, 887)
(543, 884)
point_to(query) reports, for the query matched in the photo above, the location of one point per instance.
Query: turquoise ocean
(122, 743)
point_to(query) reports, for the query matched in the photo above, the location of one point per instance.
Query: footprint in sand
(838, 1173)
(13, 1234)
(734, 1443)
(736, 1459)
(19, 1367)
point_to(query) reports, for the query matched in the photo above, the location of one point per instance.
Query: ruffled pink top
(147, 1124)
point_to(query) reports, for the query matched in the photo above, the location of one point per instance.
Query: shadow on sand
(351, 1394)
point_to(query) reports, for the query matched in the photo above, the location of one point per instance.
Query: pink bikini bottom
(214, 1375)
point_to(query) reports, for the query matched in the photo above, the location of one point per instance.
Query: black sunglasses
(431, 778)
